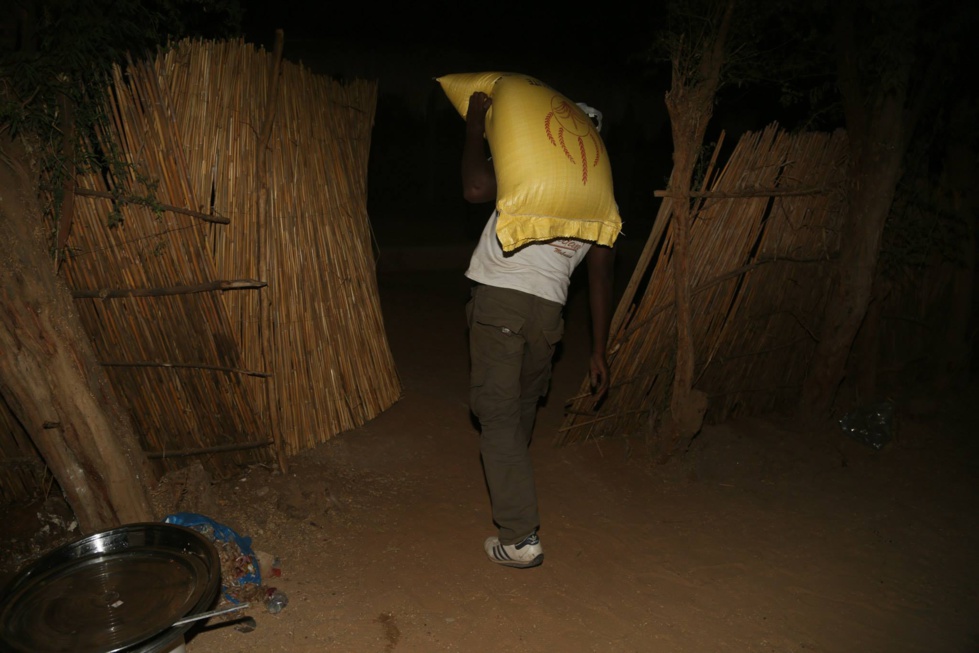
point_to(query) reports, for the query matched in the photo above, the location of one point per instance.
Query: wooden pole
(206, 217)
(118, 293)
(690, 103)
(203, 451)
(191, 366)
(264, 239)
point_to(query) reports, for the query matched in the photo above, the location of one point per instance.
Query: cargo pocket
(496, 351)
(553, 336)
(541, 363)
(490, 311)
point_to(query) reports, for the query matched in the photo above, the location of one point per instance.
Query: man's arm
(478, 176)
(600, 261)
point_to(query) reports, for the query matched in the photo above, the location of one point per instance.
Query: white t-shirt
(542, 269)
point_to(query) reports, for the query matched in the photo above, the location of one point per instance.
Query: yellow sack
(553, 175)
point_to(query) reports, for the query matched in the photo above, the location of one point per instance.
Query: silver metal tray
(119, 591)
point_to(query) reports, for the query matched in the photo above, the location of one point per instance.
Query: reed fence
(226, 274)
(763, 239)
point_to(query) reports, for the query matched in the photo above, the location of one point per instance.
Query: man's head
(592, 113)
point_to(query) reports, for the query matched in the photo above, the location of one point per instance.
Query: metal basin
(119, 591)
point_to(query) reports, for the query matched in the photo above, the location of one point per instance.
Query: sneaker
(528, 553)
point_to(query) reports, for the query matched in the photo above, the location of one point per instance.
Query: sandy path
(761, 539)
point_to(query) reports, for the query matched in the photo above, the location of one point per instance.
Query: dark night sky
(587, 54)
(401, 42)
(524, 29)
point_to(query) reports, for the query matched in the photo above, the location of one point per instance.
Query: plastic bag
(240, 574)
(871, 424)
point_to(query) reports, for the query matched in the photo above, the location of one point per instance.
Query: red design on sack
(572, 120)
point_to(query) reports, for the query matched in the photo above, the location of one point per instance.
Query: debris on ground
(241, 566)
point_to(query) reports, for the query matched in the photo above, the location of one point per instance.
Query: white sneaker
(528, 553)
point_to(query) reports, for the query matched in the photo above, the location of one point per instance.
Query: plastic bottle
(275, 600)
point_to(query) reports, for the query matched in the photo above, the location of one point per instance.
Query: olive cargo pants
(512, 336)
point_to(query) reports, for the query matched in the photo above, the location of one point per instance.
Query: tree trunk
(690, 102)
(49, 375)
(863, 363)
(876, 158)
(879, 124)
(958, 178)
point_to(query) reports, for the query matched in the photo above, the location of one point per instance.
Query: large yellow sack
(552, 170)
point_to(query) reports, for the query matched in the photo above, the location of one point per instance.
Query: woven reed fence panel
(172, 359)
(295, 358)
(759, 278)
(318, 325)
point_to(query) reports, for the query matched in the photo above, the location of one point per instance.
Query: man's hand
(479, 104)
(478, 176)
(598, 375)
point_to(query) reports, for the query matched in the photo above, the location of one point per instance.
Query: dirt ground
(763, 537)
